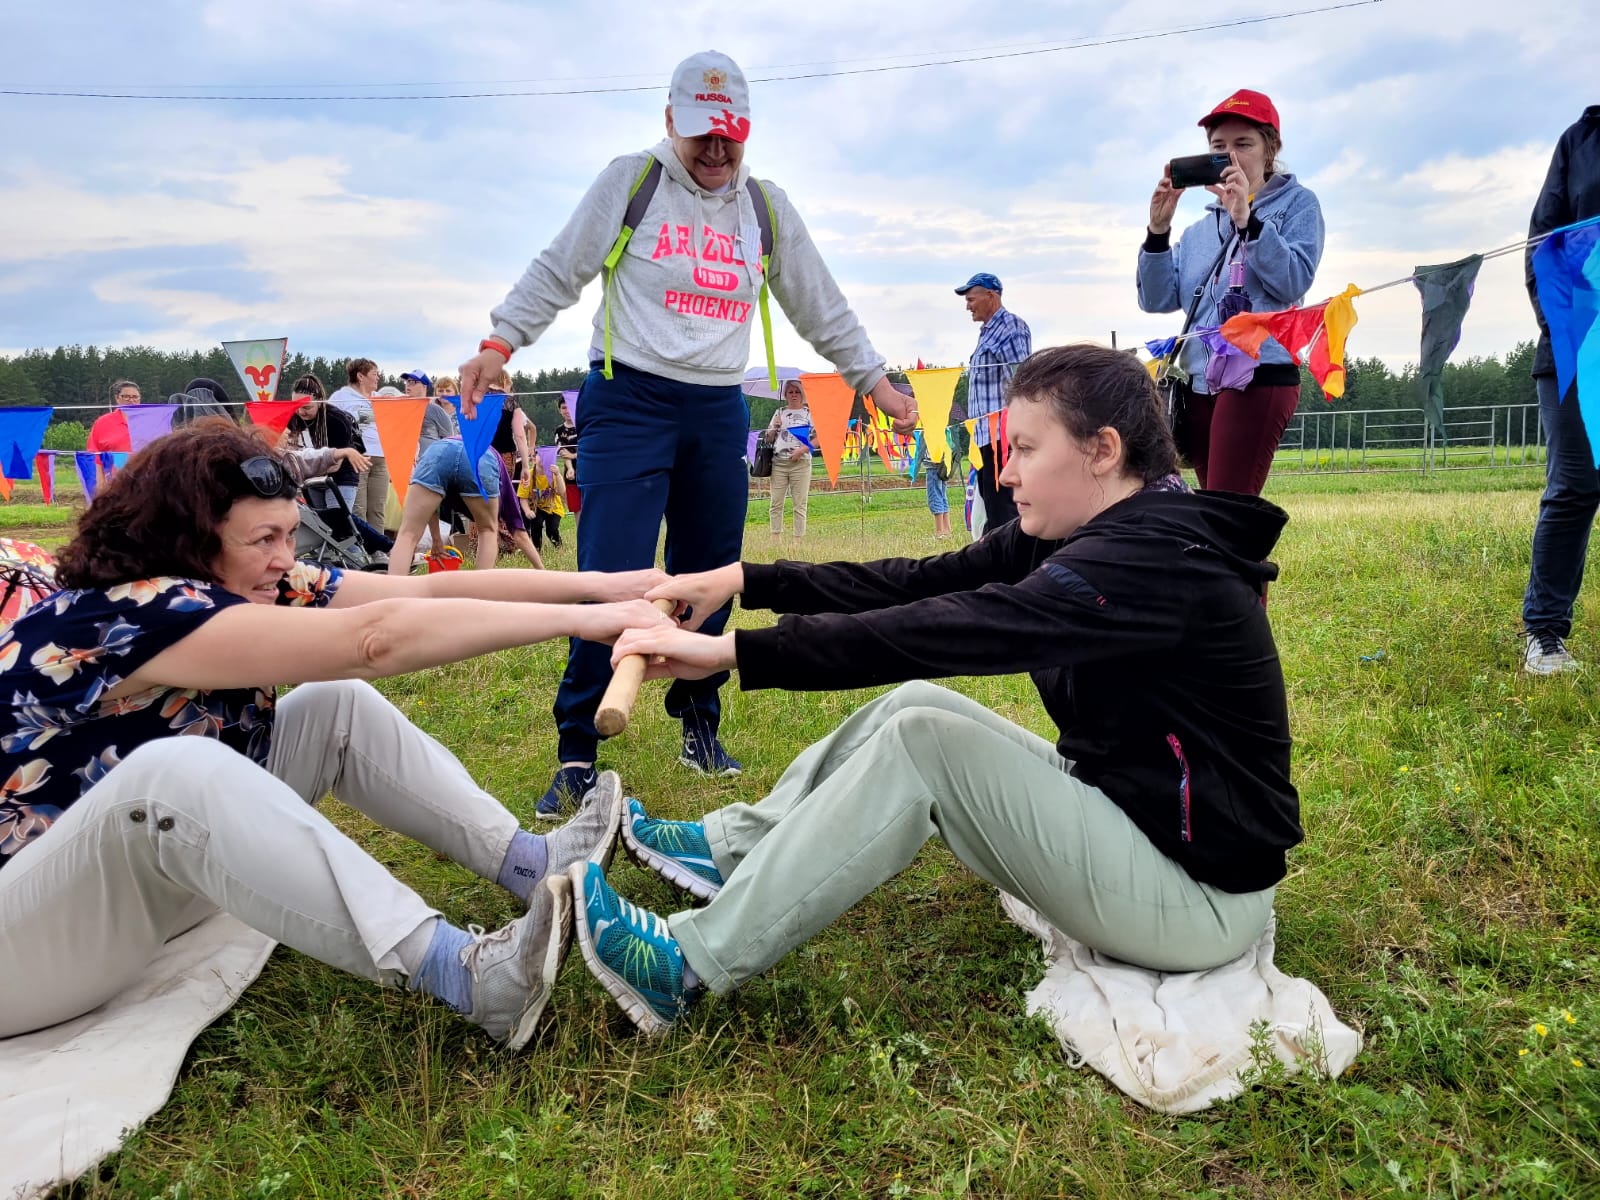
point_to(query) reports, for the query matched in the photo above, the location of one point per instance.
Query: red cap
(1252, 106)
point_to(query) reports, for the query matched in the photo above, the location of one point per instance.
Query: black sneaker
(706, 755)
(566, 793)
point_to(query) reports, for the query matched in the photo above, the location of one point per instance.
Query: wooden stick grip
(617, 704)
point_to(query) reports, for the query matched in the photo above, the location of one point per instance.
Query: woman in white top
(790, 432)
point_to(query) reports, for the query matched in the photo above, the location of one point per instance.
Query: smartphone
(1198, 170)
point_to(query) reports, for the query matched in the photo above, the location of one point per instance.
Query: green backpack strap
(768, 221)
(639, 197)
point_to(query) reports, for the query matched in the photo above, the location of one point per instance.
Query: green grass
(1446, 899)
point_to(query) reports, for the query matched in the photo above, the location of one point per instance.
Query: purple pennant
(547, 460)
(572, 404)
(750, 446)
(147, 422)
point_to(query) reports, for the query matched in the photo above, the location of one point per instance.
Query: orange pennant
(830, 399)
(5, 488)
(399, 422)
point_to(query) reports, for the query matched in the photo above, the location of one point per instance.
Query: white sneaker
(592, 832)
(1546, 654)
(514, 968)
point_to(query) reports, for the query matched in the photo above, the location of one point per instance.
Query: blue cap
(982, 279)
(419, 377)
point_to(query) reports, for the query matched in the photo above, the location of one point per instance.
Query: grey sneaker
(1546, 654)
(592, 833)
(515, 967)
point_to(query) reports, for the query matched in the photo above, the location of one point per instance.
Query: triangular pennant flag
(477, 431)
(399, 421)
(5, 488)
(1566, 269)
(997, 441)
(45, 463)
(750, 446)
(877, 430)
(830, 399)
(114, 460)
(21, 435)
(974, 455)
(1446, 294)
(147, 422)
(88, 464)
(269, 414)
(1004, 451)
(259, 362)
(936, 393)
(547, 460)
(1315, 336)
(572, 404)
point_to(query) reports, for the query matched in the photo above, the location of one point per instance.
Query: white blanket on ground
(71, 1094)
(1177, 1042)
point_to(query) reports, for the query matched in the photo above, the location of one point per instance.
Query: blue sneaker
(629, 951)
(566, 794)
(704, 753)
(675, 850)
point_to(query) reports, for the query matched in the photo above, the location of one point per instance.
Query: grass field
(1447, 899)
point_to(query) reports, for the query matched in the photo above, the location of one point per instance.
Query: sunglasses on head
(268, 478)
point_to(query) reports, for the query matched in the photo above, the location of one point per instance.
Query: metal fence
(1481, 438)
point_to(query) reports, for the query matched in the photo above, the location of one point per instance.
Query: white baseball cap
(709, 95)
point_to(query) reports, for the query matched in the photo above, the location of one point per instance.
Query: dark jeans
(542, 524)
(998, 506)
(1566, 514)
(1234, 434)
(650, 448)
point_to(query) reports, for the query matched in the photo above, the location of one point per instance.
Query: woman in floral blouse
(151, 775)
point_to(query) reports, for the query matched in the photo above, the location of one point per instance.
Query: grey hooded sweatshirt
(683, 303)
(1281, 250)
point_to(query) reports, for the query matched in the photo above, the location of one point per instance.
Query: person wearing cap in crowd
(110, 432)
(1264, 229)
(1003, 342)
(664, 417)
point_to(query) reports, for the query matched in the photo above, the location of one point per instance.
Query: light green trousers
(853, 810)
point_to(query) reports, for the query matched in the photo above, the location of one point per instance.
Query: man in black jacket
(1572, 486)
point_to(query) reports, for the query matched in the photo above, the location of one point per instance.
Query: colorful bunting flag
(750, 446)
(935, 391)
(1446, 295)
(21, 435)
(399, 421)
(1314, 336)
(259, 362)
(147, 422)
(45, 464)
(477, 431)
(830, 400)
(1566, 269)
(271, 415)
(572, 404)
(88, 464)
(974, 455)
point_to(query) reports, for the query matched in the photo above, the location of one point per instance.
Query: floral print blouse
(60, 735)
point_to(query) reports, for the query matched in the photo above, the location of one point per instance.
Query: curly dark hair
(160, 514)
(1089, 387)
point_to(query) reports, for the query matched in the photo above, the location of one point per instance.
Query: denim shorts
(444, 465)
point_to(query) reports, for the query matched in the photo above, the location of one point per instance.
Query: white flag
(259, 362)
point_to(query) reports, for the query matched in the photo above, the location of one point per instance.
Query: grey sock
(441, 973)
(524, 865)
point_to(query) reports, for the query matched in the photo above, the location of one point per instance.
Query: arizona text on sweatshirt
(1143, 631)
(683, 302)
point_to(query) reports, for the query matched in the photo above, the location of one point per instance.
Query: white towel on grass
(1177, 1042)
(70, 1095)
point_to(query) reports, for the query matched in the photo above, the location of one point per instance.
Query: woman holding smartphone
(1260, 240)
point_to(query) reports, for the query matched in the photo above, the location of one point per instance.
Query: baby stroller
(328, 533)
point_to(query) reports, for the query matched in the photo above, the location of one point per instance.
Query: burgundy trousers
(1233, 435)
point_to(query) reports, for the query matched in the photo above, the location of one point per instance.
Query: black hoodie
(1144, 632)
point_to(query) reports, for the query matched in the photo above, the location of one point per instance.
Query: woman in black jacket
(1154, 829)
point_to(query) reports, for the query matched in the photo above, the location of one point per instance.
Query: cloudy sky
(390, 228)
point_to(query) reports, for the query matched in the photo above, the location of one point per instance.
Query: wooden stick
(617, 704)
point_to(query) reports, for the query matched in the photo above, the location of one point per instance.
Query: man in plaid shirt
(1004, 341)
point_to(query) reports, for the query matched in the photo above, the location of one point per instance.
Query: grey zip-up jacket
(683, 303)
(1281, 250)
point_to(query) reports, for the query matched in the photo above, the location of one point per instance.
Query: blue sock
(440, 972)
(524, 865)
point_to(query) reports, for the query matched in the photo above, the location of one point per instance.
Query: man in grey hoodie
(663, 418)
(1260, 239)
